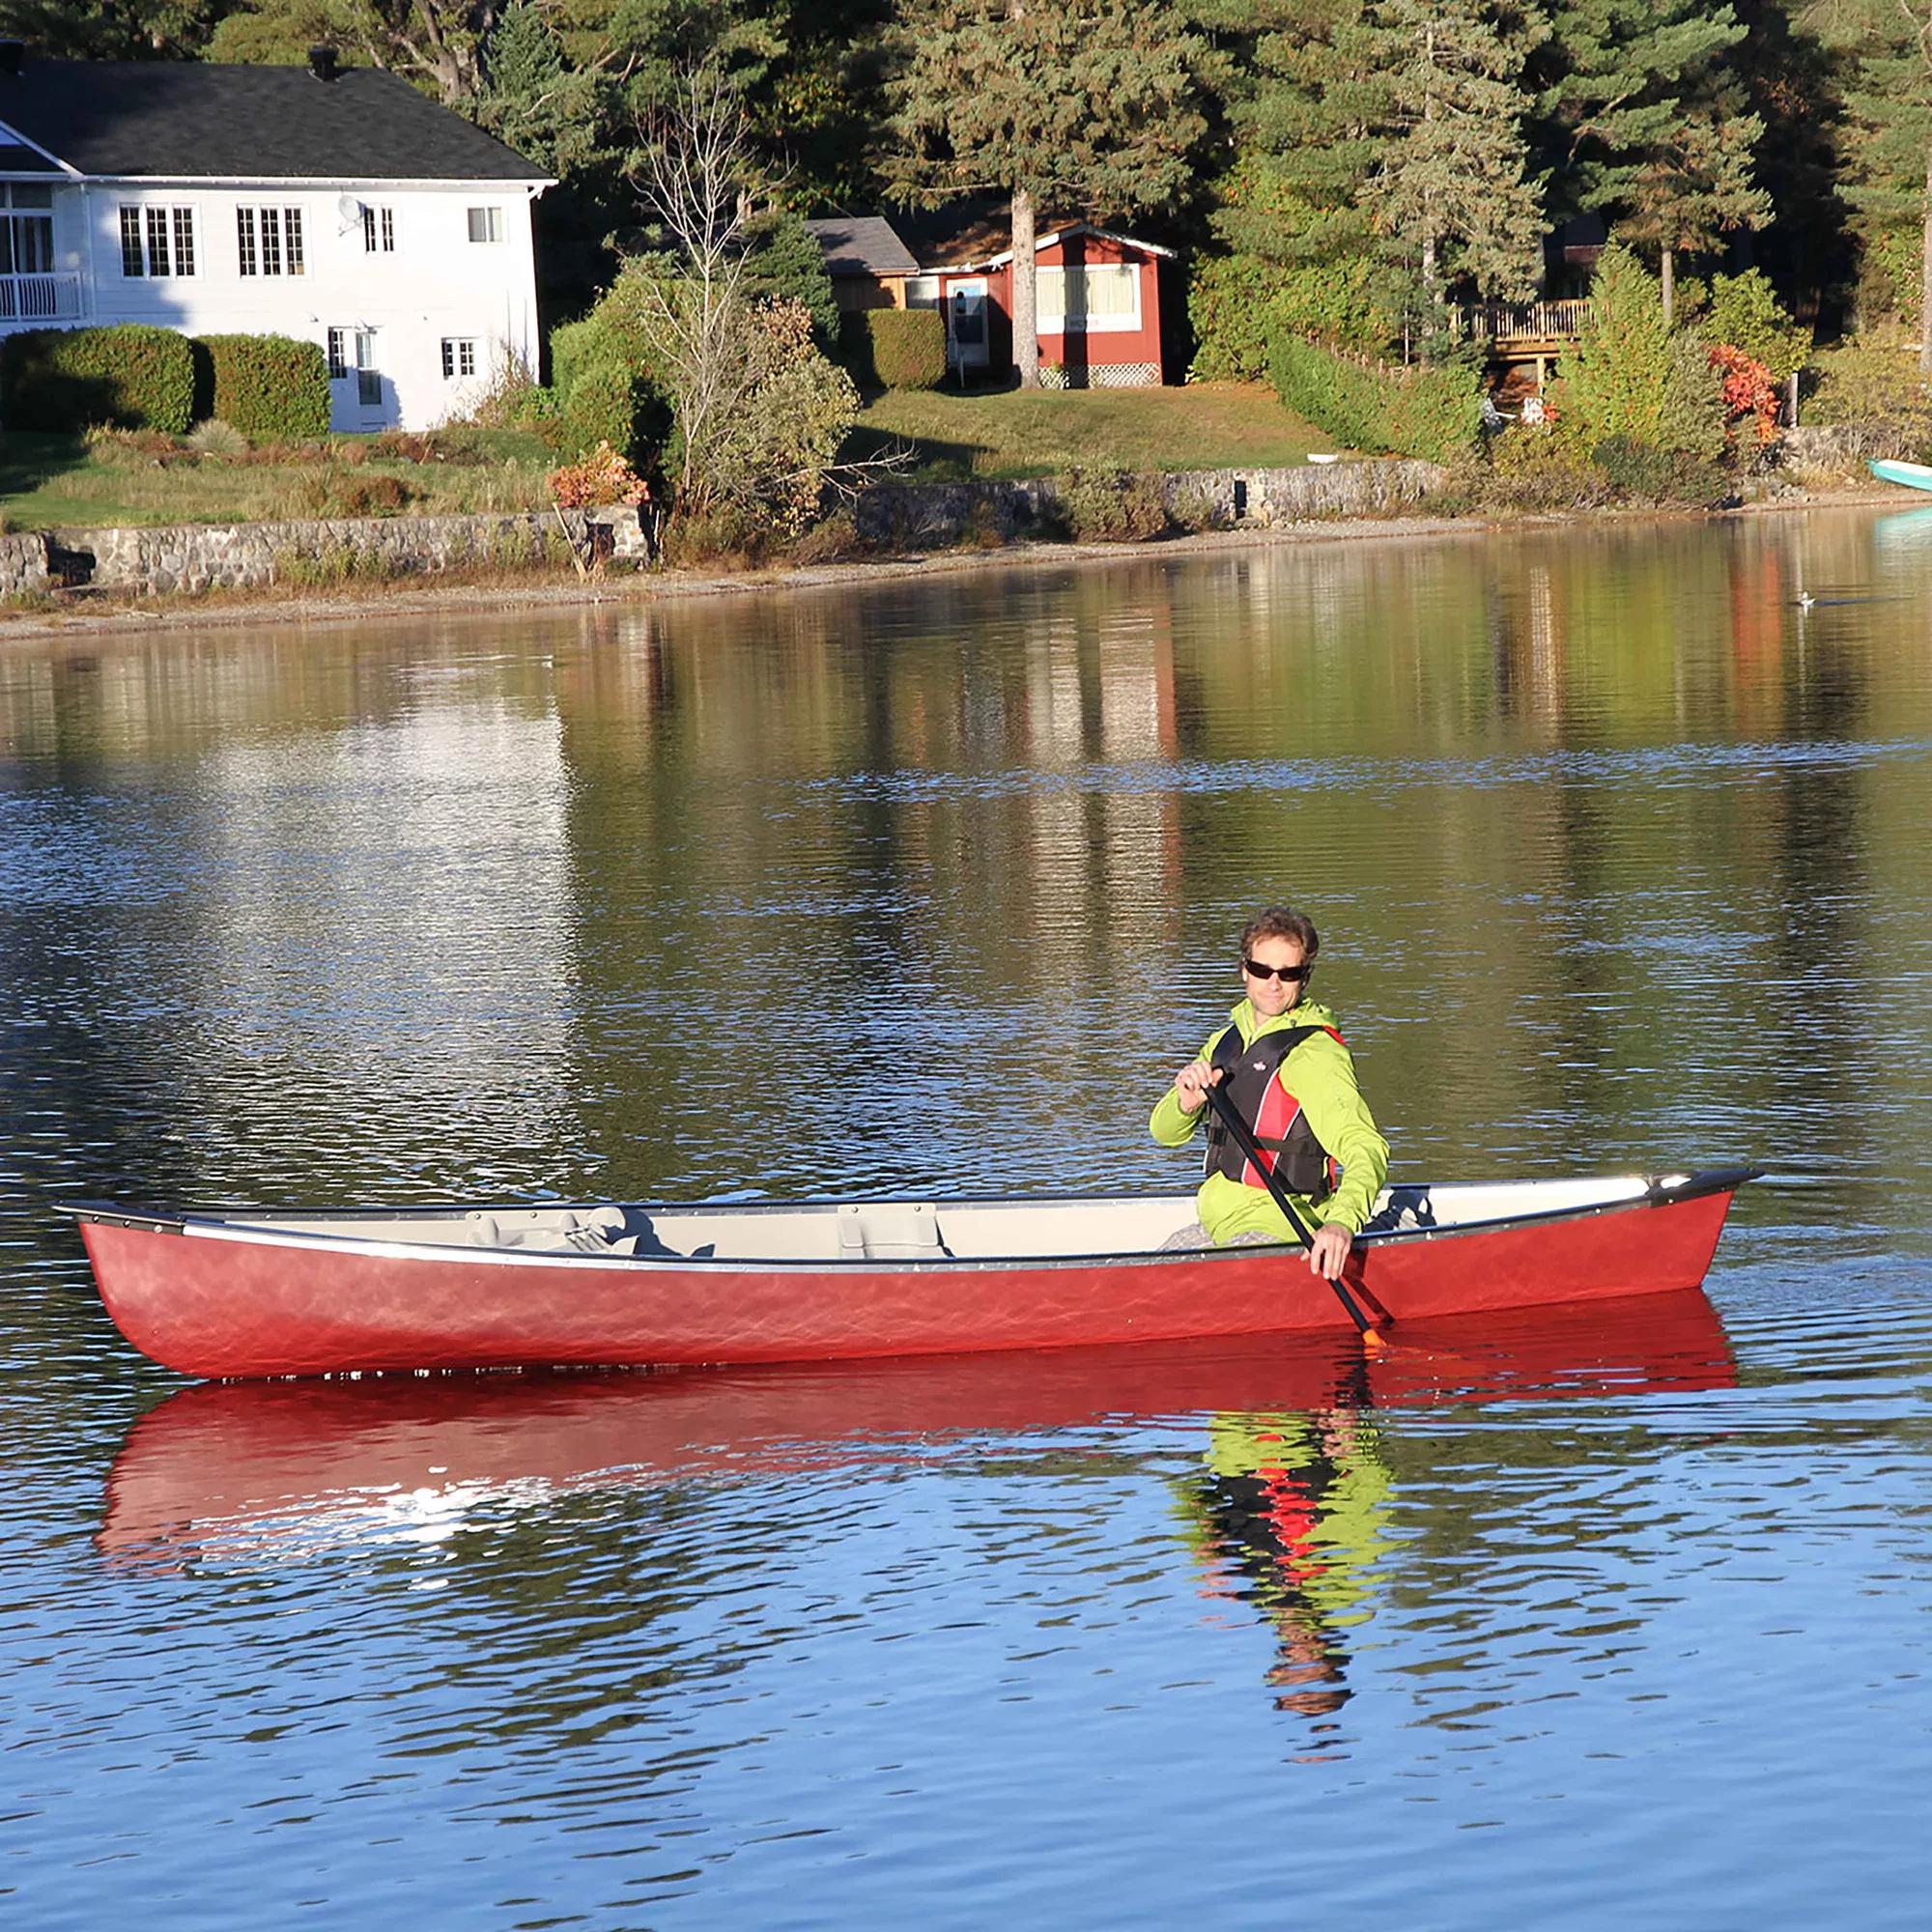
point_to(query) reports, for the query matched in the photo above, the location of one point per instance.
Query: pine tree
(1645, 126)
(1448, 181)
(532, 99)
(1888, 45)
(1094, 105)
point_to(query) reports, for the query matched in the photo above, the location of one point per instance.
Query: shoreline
(430, 597)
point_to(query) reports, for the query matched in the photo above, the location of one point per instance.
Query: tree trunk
(1668, 265)
(1026, 306)
(1926, 285)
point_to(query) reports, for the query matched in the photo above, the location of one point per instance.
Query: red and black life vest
(1273, 1114)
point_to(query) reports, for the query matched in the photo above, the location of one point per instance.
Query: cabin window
(486, 224)
(338, 355)
(1100, 295)
(269, 240)
(921, 292)
(378, 231)
(156, 241)
(26, 235)
(459, 357)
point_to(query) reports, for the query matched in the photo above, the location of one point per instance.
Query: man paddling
(1292, 1080)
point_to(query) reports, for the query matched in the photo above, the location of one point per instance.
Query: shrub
(1237, 303)
(1111, 506)
(599, 478)
(268, 387)
(1745, 312)
(1873, 380)
(1750, 402)
(895, 348)
(1429, 413)
(1641, 472)
(64, 379)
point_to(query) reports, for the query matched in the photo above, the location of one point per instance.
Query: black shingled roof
(187, 119)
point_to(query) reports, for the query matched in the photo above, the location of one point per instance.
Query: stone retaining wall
(195, 557)
(917, 514)
(1840, 448)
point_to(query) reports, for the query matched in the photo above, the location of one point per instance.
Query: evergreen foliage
(1425, 412)
(269, 387)
(896, 348)
(1745, 312)
(786, 264)
(1632, 379)
(126, 377)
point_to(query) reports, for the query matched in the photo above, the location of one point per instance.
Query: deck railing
(51, 298)
(1523, 322)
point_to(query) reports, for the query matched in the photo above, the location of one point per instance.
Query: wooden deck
(1521, 332)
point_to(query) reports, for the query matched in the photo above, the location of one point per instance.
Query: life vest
(1274, 1116)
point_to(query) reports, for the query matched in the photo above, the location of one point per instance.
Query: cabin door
(966, 325)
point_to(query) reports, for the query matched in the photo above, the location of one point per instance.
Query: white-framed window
(269, 242)
(156, 241)
(921, 292)
(26, 229)
(378, 229)
(368, 378)
(486, 224)
(459, 357)
(338, 355)
(1100, 295)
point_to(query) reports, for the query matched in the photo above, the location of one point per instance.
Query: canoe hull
(233, 1304)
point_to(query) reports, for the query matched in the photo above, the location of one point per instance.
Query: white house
(337, 205)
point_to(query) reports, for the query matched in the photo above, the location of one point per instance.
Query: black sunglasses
(1256, 971)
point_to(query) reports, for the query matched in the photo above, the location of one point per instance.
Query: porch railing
(1523, 322)
(51, 298)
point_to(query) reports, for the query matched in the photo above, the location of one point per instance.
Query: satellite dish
(350, 208)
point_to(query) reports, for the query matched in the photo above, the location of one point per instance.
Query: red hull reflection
(246, 1470)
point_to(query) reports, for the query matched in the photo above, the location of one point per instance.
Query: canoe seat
(598, 1231)
(890, 1231)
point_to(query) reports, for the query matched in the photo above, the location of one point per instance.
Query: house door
(966, 325)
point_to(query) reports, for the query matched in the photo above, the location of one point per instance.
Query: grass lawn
(1005, 432)
(46, 481)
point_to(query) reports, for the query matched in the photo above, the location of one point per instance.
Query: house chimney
(322, 62)
(11, 54)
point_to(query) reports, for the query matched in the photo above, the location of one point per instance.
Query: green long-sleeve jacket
(1320, 1073)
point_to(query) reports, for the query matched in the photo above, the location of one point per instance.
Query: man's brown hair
(1283, 923)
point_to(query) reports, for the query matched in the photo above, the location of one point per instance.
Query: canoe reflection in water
(1292, 1509)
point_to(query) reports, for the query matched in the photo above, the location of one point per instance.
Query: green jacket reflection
(1320, 1074)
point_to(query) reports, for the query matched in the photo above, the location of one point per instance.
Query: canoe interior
(893, 1231)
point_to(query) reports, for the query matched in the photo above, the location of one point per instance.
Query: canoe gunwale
(212, 1224)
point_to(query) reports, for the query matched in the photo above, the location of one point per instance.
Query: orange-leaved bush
(1750, 394)
(603, 476)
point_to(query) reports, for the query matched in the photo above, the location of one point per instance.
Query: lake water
(1621, 859)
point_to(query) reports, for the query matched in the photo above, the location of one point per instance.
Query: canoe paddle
(1245, 1141)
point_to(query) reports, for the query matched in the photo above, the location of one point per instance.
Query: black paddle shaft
(1245, 1141)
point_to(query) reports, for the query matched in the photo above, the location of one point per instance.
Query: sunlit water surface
(1621, 861)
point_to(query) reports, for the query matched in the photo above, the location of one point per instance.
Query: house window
(156, 241)
(459, 357)
(378, 229)
(368, 378)
(486, 224)
(338, 355)
(260, 233)
(26, 235)
(921, 292)
(1100, 296)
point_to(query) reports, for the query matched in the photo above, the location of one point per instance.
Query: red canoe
(249, 1472)
(246, 1291)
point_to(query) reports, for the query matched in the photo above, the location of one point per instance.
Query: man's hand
(1191, 1084)
(1329, 1252)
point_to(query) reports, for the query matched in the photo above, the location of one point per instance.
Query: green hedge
(271, 387)
(895, 348)
(1430, 412)
(66, 380)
